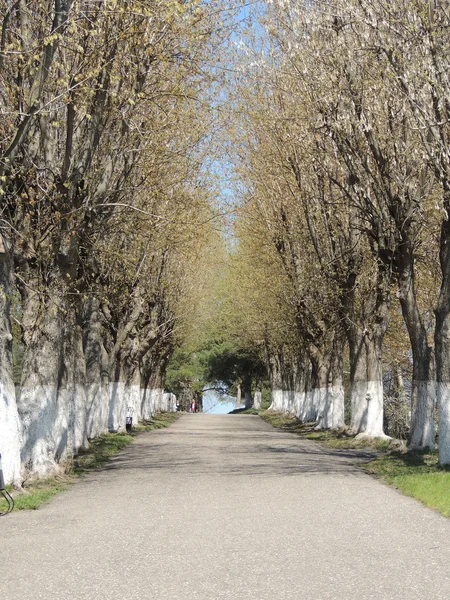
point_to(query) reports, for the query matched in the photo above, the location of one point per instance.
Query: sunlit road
(226, 507)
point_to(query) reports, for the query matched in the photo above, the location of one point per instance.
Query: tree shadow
(225, 451)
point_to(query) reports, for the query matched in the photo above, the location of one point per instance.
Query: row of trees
(105, 212)
(343, 127)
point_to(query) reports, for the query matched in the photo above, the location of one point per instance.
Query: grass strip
(416, 474)
(247, 411)
(159, 421)
(100, 450)
(339, 438)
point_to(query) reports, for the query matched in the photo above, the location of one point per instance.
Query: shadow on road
(196, 448)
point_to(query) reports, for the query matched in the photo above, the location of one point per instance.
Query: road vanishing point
(227, 507)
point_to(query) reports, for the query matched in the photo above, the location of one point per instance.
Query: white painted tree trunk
(146, 404)
(371, 424)
(10, 439)
(309, 412)
(76, 386)
(276, 384)
(9, 418)
(169, 402)
(442, 348)
(443, 398)
(45, 402)
(117, 407)
(132, 393)
(366, 391)
(300, 404)
(336, 410)
(276, 400)
(358, 405)
(97, 373)
(330, 372)
(257, 397)
(374, 410)
(156, 395)
(423, 434)
(320, 401)
(238, 395)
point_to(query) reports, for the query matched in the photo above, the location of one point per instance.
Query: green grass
(332, 439)
(159, 421)
(416, 474)
(100, 450)
(246, 411)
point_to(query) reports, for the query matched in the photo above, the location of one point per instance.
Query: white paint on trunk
(97, 409)
(443, 398)
(337, 410)
(44, 413)
(425, 435)
(156, 396)
(77, 418)
(133, 402)
(330, 409)
(9, 434)
(299, 404)
(373, 411)
(325, 405)
(276, 397)
(117, 407)
(309, 410)
(169, 402)
(257, 398)
(146, 409)
(358, 406)
(291, 401)
(320, 408)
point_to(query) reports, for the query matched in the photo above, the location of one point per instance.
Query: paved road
(225, 507)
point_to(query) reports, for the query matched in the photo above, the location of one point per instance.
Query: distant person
(193, 406)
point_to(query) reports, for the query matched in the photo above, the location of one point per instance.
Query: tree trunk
(442, 345)
(133, 395)
(276, 384)
(374, 397)
(247, 389)
(76, 384)
(155, 382)
(332, 416)
(365, 329)
(238, 395)
(366, 381)
(117, 412)
(358, 379)
(47, 401)
(9, 417)
(319, 384)
(257, 398)
(422, 431)
(97, 371)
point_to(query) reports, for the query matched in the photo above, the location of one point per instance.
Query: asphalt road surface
(226, 507)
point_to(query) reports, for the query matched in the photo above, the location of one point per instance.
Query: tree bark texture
(51, 400)
(9, 417)
(257, 397)
(422, 429)
(97, 371)
(442, 345)
(276, 383)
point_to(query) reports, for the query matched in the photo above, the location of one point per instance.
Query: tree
(84, 120)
